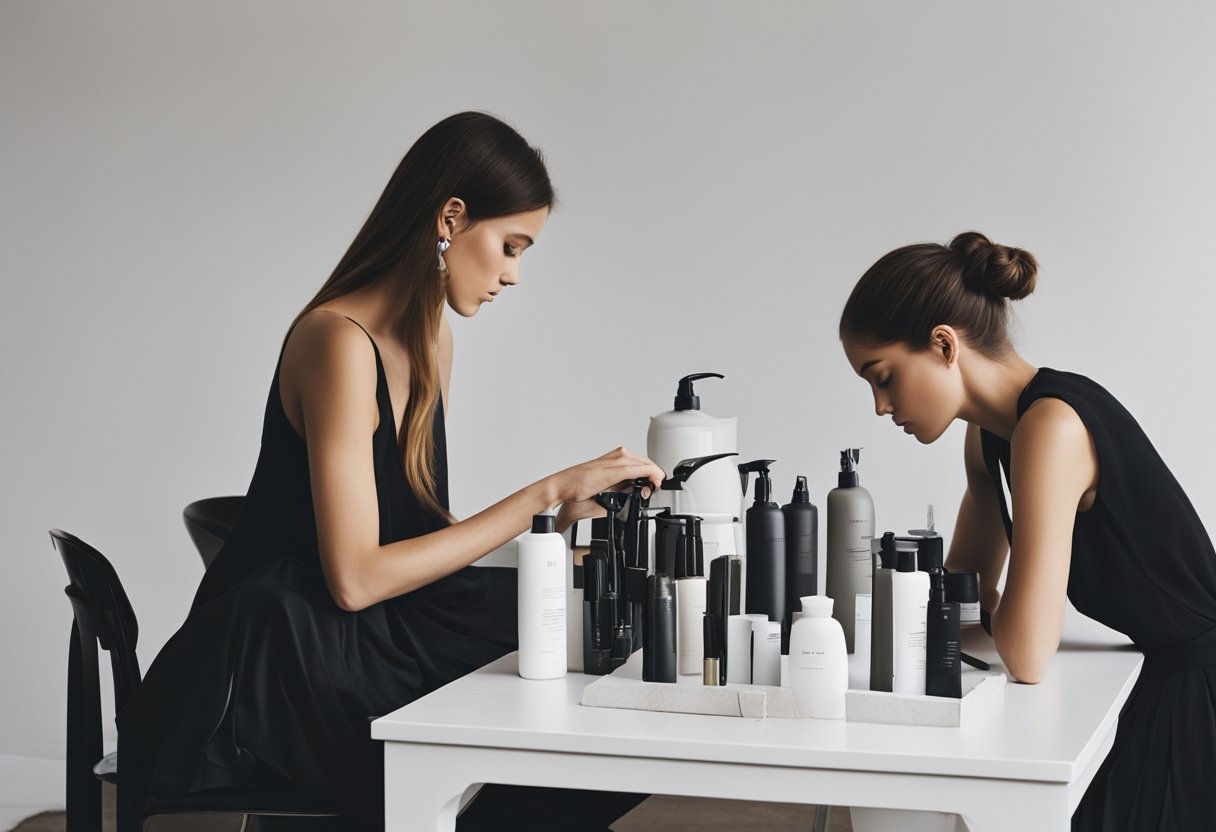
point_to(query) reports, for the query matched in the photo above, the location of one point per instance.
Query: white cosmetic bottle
(542, 601)
(819, 661)
(909, 608)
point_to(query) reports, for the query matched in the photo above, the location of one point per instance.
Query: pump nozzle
(687, 467)
(801, 494)
(764, 485)
(685, 398)
(849, 459)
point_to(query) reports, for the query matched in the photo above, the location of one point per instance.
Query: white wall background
(176, 180)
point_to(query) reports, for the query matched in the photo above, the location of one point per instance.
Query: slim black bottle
(599, 613)
(943, 670)
(801, 555)
(765, 561)
(659, 652)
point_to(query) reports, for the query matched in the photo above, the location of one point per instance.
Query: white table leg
(420, 793)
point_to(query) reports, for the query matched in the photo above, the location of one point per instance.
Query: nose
(882, 404)
(509, 277)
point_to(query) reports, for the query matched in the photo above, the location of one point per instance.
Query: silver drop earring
(439, 250)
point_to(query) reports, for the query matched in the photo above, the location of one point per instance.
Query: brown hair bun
(993, 269)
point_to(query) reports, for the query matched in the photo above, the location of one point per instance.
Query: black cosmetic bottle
(801, 555)
(659, 651)
(943, 670)
(599, 616)
(765, 561)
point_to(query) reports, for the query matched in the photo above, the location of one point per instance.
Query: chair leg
(83, 789)
(821, 819)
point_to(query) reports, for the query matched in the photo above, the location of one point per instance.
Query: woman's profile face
(484, 257)
(921, 391)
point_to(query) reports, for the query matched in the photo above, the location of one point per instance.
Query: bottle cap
(929, 555)
(801, 495)
(906, 562)
(937, 586)
(848, 468)
(543, 524)
(963, 587)
(817, 606)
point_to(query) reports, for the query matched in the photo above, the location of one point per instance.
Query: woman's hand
(614, 471)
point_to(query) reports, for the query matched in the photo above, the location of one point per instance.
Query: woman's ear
(944, 341)
(451, 217)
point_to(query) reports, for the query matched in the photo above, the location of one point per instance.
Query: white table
(1024, 769)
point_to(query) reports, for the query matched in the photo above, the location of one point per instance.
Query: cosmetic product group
(703, 587)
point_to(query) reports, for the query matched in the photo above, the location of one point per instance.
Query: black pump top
(801, 495)
(937, 586)
(906, 562)
(544, 524)
(611, 501)
(848, 468)
(687, 467)
(887, 552)
(685, 398)
(929, 554)
(764, 485)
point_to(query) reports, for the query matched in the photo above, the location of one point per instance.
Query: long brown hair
(492, 168)
(967, 285)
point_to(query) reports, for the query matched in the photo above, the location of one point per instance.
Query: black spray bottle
(599, 613)
(622, 634)
(801, 555)
(764, 577)
(943, 668)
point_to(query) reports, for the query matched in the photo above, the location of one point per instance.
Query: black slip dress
(1143, 564)
(269, 683)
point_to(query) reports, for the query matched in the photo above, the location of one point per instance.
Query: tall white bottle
(909, 608)
(850, 566)
(819, 662)
(542, 601)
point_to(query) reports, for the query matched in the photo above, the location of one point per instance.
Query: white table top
(1045, 732)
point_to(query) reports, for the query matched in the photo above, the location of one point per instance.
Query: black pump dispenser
(765, 546)
(685, 398)
(848, 468)
(764, 485)
(801, 494)
(887, 551)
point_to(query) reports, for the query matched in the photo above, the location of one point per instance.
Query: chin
(464, 310)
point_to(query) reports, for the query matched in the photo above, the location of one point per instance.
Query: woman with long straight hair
(1100, 520)
(346, 589)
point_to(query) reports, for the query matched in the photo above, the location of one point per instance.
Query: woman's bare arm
(337, 397)
(1054, 463)
(979, 543)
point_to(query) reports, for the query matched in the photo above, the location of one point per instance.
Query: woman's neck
(993, 387)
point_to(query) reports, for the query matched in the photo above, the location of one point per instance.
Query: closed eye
(510, 250)
(885, 381)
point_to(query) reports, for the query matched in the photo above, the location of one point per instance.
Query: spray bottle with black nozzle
(764, 571)
(599, 611)
(622, 633)
(636, 534)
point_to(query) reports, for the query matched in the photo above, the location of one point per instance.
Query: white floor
(28, 785)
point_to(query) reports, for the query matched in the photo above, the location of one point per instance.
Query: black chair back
(102, 614)
(210, 522)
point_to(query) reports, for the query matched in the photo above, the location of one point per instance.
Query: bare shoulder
(1052, 423)
(1052, 444)
(326, 355)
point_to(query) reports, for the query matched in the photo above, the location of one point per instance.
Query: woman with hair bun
(1101, 521)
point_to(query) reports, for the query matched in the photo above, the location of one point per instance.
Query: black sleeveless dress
(269, 683)
(1142, 564)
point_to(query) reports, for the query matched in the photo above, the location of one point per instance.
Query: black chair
(103, 615)
(210, 522)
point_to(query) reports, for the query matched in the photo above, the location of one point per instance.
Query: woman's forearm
(979, 545)
(406, 565)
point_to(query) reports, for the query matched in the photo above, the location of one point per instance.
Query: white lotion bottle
(542, 601)
(850, 565)
(819, 661)
(909, 610)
